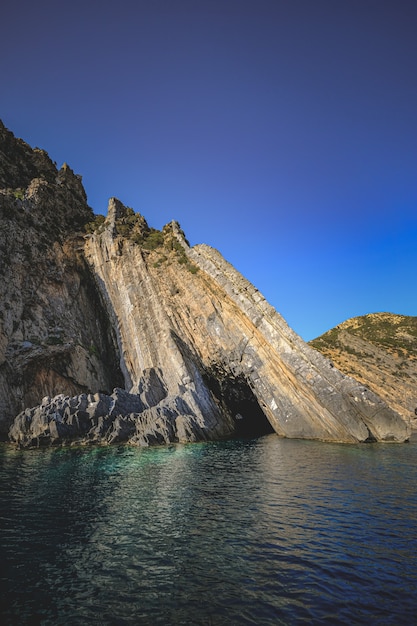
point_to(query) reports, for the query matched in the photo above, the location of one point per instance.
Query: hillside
(379, 350)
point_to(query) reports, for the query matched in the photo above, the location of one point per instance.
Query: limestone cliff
(380, 351)
(198, 351)
(54, 333)
(189, 313)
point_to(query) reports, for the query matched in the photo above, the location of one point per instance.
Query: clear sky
(281, 132)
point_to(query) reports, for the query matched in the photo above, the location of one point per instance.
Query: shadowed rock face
(198, 350)
(148, 417)
(55, 336)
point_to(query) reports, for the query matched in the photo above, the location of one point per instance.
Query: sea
(251, 531)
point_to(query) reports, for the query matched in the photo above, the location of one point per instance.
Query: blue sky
(282, 132)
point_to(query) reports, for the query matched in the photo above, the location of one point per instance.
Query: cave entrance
(235, 394)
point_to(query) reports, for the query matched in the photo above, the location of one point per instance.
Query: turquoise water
(265, 531)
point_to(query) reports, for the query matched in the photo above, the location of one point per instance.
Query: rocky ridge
(190, 348)
(380, 351)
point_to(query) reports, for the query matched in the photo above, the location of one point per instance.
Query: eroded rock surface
(189, 312)
(54, 332)
(198, 350)
(146, 418)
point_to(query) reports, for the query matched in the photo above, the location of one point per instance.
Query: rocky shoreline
(115, 331)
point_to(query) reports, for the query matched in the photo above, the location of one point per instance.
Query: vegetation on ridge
(133, 226)
(96, 225)
(394, 333)
(380, 351)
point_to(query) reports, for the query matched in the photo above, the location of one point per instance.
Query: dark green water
(267, 531)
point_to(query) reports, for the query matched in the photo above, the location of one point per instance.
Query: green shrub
(162, 259)
(96, 225)
(153, 240)
(19, 193)
(123, 229)
(137, 238)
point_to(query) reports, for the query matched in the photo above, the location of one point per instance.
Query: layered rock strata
(146, 418)
(191, 314)
(199, 352)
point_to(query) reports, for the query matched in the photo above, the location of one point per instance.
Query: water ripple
(268, 531)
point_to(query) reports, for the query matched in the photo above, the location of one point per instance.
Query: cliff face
(198, 350)
(189, 313)
(380, 351)
(52, 326)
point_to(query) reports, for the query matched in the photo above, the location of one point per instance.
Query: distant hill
(379, 350)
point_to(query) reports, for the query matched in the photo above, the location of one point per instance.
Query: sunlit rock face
(128, 334)
(380, 351)
(189, 313)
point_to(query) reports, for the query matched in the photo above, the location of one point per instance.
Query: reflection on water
(266, 531)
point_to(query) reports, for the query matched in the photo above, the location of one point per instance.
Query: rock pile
(149, 417)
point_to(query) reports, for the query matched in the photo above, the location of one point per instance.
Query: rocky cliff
(192, 350)
(380, 351)
(54, 334)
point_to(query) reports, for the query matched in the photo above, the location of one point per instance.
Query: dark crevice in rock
(237, 398)
(108, 350)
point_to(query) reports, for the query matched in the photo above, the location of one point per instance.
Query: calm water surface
(266, 531)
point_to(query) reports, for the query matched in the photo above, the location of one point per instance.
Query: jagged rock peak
(115, 210)
(123, 224)
(176, 229)
(55, 199)
(127, 300)
(19, 163)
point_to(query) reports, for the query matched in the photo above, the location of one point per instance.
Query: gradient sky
(281, 132)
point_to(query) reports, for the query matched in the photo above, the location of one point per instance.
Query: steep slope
(52, 326)
(190, 348)
(380, 351)
(189, 313)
